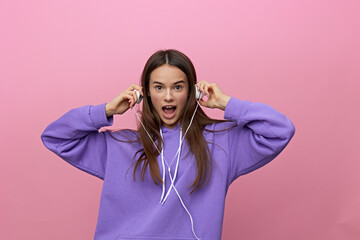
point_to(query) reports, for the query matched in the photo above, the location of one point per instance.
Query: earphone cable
(192, 118)
(171, 178)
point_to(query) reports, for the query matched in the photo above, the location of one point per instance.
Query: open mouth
(169, 111)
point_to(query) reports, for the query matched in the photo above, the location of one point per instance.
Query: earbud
(198, 94)
(139, 97)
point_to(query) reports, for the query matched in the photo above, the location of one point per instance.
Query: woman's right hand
(125, 100)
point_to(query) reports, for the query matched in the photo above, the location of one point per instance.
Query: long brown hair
(152, 121)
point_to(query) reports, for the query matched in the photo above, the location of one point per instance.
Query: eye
(178, 87)
(158, 87)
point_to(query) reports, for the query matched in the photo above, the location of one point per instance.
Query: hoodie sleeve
(75, 138)
(260, 135)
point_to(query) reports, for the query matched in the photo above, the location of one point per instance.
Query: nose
(168, 95)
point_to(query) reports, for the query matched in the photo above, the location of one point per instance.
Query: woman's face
(168, 90)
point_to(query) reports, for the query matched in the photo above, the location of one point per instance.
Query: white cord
(177, 153)
(192, 118)
(163, 158)
(192, 223)
(177, 164)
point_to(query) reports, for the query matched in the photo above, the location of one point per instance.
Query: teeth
(168, 107)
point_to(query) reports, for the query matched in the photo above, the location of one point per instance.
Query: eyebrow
(181, 81)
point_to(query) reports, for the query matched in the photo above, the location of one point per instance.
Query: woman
(193, 157)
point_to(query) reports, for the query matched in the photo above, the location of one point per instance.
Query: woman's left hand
(216, 98)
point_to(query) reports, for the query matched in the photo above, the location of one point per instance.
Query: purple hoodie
(130, 209)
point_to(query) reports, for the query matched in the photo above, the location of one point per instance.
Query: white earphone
(139, 97)
(199, 95)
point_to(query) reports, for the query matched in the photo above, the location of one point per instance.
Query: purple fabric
(130, 209)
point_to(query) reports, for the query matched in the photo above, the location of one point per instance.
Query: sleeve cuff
(233, 109)
(98, 116)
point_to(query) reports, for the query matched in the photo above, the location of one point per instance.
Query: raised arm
(75, 138)
(260, 135)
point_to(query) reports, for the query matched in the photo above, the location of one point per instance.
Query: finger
(128, 96)
(139, 89)
(134, 98)
(202, 103)
(131, 87)
(202, 85)
(134, 86)
(206, 89)
(214, 89)
(198, 84)
(132, 93)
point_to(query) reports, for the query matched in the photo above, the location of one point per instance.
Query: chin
(170, 124)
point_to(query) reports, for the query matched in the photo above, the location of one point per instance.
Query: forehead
(167, 74)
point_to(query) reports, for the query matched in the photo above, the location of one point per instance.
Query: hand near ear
(123, 101)
(216, 98)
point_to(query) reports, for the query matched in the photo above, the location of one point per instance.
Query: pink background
(300, 57)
